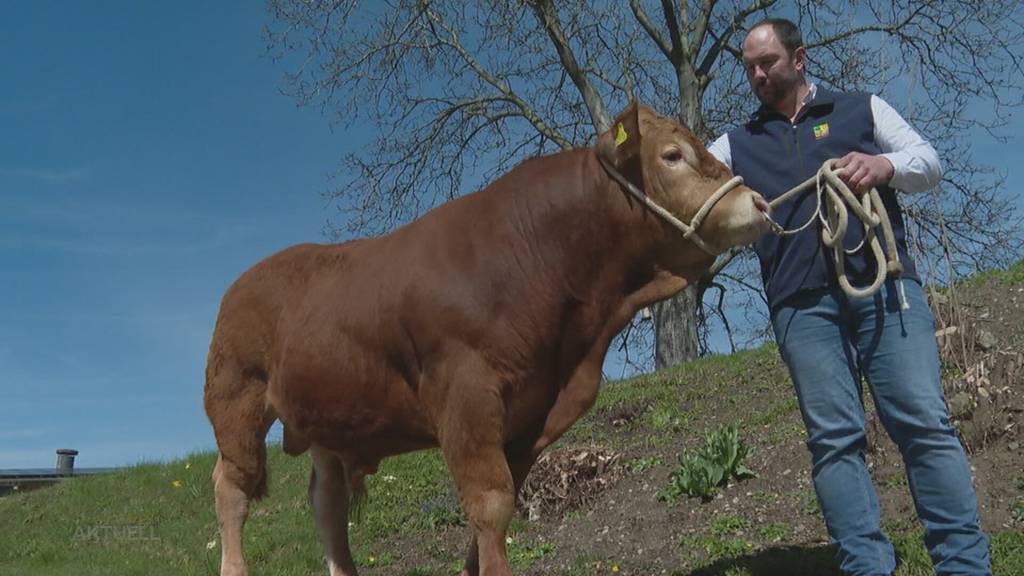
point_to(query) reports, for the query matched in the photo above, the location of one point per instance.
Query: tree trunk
(675, 319)
(675, 329)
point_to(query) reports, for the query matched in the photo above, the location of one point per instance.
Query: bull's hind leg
(329, 496)
(232, 505)
(237, 410)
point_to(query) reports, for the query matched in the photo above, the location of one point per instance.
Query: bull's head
(674, 170)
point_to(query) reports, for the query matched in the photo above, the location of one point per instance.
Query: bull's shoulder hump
(568, 161)
(310, 254)
(292, 265)
(296, 255)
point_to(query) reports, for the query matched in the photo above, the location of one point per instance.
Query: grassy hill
(597, 501)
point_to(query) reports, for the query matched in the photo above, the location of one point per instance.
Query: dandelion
(508, 539)
(211, 544)
(188, 465)
(615, 568)
(371, 560)
(176, 483)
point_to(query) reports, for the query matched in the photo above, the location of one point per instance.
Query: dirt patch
(568, 479)
(622, 415)
(980, 329)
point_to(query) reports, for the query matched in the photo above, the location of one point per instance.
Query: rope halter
(689, 230)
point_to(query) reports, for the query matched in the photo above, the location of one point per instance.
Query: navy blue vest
(774, 155)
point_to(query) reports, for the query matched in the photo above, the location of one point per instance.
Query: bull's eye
(672, 155)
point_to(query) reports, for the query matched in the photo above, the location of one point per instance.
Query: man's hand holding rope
(862, 172)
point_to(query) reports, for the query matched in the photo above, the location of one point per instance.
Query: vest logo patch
(821, 131)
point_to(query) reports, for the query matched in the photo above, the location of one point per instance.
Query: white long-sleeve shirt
(915, 162)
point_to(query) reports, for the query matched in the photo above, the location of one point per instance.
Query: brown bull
(480, 328)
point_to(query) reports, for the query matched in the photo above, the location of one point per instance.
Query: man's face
(772, 72)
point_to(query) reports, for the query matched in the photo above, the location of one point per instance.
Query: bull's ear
(621, 144)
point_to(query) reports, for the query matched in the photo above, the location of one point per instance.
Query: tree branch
(641, 17)
(548, 16)
(679, 48)
(722, 40)
(701, 26)
(503, 87)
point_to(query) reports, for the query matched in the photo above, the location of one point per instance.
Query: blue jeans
(829, 341)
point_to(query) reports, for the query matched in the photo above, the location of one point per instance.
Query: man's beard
(773, 93)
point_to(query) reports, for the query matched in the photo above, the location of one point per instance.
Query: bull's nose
(761, 204)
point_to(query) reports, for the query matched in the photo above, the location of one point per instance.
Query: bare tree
(460, 92)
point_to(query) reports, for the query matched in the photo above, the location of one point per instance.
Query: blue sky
(146, 160)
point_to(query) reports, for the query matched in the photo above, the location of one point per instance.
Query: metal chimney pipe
(66, 461)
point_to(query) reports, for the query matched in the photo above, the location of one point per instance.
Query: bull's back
(247, 329)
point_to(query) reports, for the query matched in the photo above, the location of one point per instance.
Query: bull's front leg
(521, 457)
(471, 439)
(572, 402)
(580, 392)
(575, 399)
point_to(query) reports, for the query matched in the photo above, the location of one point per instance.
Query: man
(830, 341)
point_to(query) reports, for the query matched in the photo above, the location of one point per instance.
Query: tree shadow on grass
(781, 561)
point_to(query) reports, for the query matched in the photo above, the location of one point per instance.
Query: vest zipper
(796, 146)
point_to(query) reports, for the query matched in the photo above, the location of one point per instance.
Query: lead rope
(833, 197)
(837, 196)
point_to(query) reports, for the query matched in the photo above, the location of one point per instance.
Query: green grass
(726, 525)
(159, 519)
(774, 532)
(1009, 277)
(671, 394)
(1007, 553)
(776, 412)
(718, 547)
(117, 523)
(641, 465)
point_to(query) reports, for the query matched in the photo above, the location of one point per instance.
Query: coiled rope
(834, 198)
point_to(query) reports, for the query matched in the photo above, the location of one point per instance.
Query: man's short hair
(785, 30)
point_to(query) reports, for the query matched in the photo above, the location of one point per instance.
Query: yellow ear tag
(621, 135)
